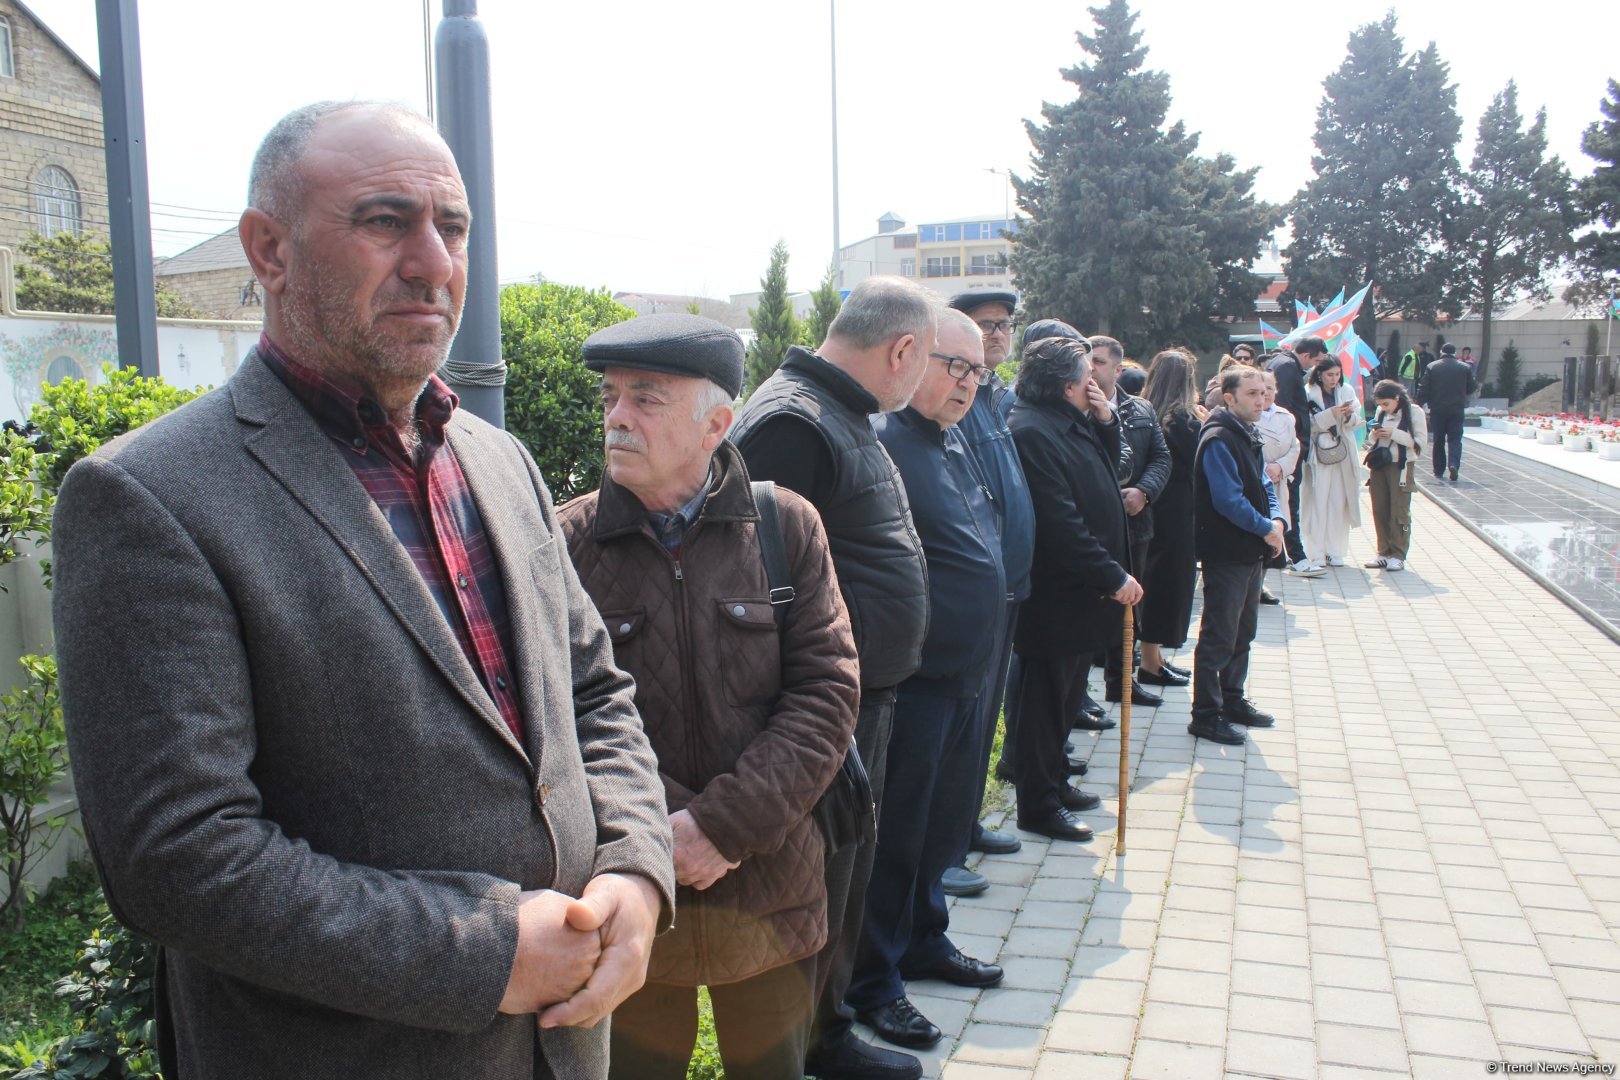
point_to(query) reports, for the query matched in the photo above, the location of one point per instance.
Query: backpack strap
(773, 550)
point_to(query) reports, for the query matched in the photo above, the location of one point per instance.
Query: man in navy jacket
(934, 748)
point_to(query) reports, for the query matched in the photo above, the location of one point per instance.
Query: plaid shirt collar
(354, 419)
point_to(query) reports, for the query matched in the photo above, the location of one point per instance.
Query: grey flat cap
(674, 344)
(1046, 328)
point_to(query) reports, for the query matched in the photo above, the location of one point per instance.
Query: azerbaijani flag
(1270, 336)
(1614, 305)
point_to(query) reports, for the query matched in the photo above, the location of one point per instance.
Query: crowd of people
(409, 772)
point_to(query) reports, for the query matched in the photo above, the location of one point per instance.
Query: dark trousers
(1291, 540)
(934, 750)
(1114, 671)
(762, 1024)
(1445, 432)
(1049, 691)
(1231, 613)
(847, 873)
(995, 693)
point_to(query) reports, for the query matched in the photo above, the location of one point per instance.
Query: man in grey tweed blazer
(348, 737)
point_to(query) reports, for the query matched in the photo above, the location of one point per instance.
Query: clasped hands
(577, 960)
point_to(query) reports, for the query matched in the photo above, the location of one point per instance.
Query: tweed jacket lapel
(289, 444)
(524, 551)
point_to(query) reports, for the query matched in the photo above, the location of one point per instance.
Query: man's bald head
(274, 183)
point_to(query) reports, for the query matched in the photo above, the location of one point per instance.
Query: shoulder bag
(845, 813)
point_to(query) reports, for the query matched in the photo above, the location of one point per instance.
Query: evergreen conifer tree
(1598, 199)
(1128, 232)
(1507, 376)
(1383, 194)
(825, 303)
(1516, 216)
(775, 328)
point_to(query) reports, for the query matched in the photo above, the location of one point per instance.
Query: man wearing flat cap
(984, 430)
(748, 710)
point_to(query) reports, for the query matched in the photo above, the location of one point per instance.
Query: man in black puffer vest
(1238, 523)
(808, 428)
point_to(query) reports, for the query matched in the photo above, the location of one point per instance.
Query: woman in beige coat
(1330, 497)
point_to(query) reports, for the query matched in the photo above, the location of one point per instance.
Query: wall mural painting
(66, 350)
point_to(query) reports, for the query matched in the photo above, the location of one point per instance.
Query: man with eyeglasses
(984, 429)
(934, 748)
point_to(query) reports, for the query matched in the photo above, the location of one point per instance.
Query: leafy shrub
(73, 272)
(33, 757)
(553, 402)
(74, 418)
(1507, 374)
(25, 508)
(110, 994)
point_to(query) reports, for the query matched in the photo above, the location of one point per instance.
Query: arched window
(7, 67)
(56, 201)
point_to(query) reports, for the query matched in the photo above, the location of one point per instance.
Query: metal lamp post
(129, 214)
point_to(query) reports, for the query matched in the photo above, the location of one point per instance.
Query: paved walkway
(1415, 873)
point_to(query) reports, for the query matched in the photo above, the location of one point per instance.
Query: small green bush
(33, 757)
(553, 402)
(25, 507)
(75, 418)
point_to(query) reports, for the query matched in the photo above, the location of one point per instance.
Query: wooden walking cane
(1127, 685)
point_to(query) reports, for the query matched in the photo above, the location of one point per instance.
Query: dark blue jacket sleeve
(1226, 491)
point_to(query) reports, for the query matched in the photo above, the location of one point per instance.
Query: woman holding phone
(1330, 497)
(1400, 429)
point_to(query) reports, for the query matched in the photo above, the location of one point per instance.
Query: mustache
(622, 440)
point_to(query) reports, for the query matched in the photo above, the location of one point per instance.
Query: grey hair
(711, 395)
(273, 181)
(1049, 367)
(881, 309)
(950, 314)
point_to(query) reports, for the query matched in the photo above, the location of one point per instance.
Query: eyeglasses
(992, 326)
(958, 368)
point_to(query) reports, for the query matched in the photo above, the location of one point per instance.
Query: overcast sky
(659, 147)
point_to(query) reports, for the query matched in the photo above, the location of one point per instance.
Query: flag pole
(1128, 686)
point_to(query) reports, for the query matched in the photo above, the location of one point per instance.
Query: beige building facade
(53, 172)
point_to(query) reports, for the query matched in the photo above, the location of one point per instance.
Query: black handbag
(845, 813)
(1379, 456)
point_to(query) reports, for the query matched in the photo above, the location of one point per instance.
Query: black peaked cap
(972, 298)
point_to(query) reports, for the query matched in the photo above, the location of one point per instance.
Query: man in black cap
(985, 431)
(749, 714)
(808, 428)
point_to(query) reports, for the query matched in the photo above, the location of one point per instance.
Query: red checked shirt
(429, 507)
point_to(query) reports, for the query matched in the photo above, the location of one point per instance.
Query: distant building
(53, 170)
(946, 256)
(215, 278)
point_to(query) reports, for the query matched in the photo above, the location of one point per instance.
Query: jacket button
(624, 628)
(739, 611)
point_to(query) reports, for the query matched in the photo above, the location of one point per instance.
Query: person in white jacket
(1276, 427)
(1399, 426)
(1330, 497)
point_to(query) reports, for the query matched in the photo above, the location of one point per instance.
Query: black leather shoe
(1139, 696)
(956, 968)
(960, 881)
(1068, 748)
(1163, 677)
(1217, 730)
(1088, 705)
(899, 1022)
(1268, 599)
(1075, 799)
(1085, 721)
(1077, 768)
(1242, 711)
(995, 843)
(851, 1058)
(1057, 826)
(1174, 669)
(1004, 772)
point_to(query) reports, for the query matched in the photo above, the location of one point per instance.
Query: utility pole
(475, 368)
(129, 212)
(838, 247)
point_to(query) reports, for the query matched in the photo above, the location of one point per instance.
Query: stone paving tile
(1401, 882)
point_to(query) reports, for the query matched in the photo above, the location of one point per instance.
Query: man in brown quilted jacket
(749, 722)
